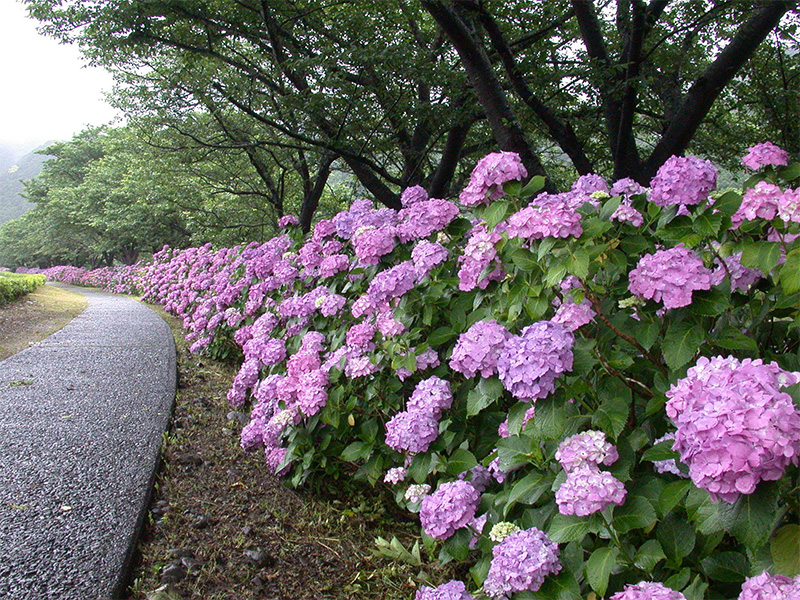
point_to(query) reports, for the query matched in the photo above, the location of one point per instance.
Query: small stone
(202, 522)
(188, 459)
(259, 558)
(239, 417)
(180, 553)
(192, 564)
(247, 530)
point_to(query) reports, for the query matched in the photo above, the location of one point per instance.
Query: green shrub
(14, 285)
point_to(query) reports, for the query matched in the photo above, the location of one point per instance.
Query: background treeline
(239, 111)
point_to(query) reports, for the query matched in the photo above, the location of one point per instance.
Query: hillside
(12, 204)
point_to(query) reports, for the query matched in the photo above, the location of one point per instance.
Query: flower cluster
(770, 587)
(448, 509)
(452, 590)
(479, 255)
(588, 490)
(489, 175)
(416, 428)
(648, 590)
(548, 215)
(683, 180)
(669, 276)
(587, 448)
(478, 348)
(765, 154)
(735, 428)
(521, 562)
(530, 363)
(741, 277)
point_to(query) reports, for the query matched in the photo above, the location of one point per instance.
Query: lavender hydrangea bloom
(427, 255)
(395, 475)
(789, 206)
(549, 215)
(648, 590)
(628, 214)
(521, 562)
(448, 509)
(478, 348)
(424, 218)
(770, 587)
(370, 243)
(487, 179)
(360, 335)
(392, 283)
(412, 431)
(765, 154)
(587, 448)
(735, 428)
(529, 363)
(669, 276)
(288, 221)
(479, 254)
(333, 264)
(741, 277)
(589, 183)
(452, 590)
(431, 395)
(574, 315)
(626, 188)
(683, 180)
(412, 195)
(588, 490)
(758, 202)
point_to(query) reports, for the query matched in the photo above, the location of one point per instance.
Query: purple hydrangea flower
(479, 254)
(529, 363)
(735, 428)
(589, 183)
(549, 215)
(412, 195)
(452, 590)
(520, 562)
(669, 276)
(448, 509)
(587, 448)
(428, 359)
(628, 214)
(740, 276)
(789, 206)
(478, 348)
(287, 221)
(391, 283)
(588, 490)
(487, 179)
(388, 325)
(683, 180)
(764, 155)
(412, 431)
(431, 395)
(360, 335)
(395, 475)
(626, 188)
(770, 587)
(370, 243)
(427, 255)
(574, 315)
(647, 590)
(424, 218)
(759, 202)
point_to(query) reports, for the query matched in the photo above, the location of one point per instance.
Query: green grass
(14, 285)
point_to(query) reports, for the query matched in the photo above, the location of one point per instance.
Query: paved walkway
(82, 415)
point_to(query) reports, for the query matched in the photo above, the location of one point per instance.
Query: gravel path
(82, 415)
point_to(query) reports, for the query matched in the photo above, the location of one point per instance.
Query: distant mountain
(12, 204)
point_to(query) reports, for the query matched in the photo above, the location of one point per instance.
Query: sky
(47, 92)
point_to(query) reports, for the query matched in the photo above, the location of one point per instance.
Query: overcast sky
(46, 92)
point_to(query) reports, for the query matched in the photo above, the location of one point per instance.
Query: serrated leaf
(790, 172)
(356, 451)
(441, 335)
(646, 334)
(677, 538)
(661, 451)
(513, 452)
(671, 496)
(599, 567)
(482, 395)
(707, 224)
(495, 213)
(730, 338)
(761, 255)
(461, 460)
(609, 208)
(562, 587)
(681, 343)
(612, 416)
(636, 513)
(578, 264)
(790, 272)
(649, 555)
(785, 550)
(696, 590)
(534, 186)
(567, 528)
(728, 203)
(530, 488)
(726, 566)
(524, 260)
(710, 303)
(753, 515)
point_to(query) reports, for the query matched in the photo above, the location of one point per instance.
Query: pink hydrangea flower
(520, 562)
(683, 180)
(587, 448)
(412, 431)
(549, 215)
(648, 590)
(669, 276)
(735, 428)
(770, 587)
(452, 590)
(448, 509)
(759, 202)
(412, 195)
(477, 349)
(588, 490)
(764, 155)
(740, 276)
(487, 179)
(288, 221)
(628, 214)
(789, 206)
(427, 255)
(479, 254)
(424, 218)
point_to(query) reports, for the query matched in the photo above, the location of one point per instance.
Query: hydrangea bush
(586, 394)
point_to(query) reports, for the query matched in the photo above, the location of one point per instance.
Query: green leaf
(514, 451)
(728, 203)
(677, 538)
(457, 546)
(611, 416)
(356, 451)
(484, 394)
(562, 587)
(785, 550)
(671, 496)
(420, 467)
(534, 186)
(494, 213)
(441, 335)
(710, 303)
(697, 589)
(578, 264)
(681, 343)
(599, 567)
(730, 338)
(461, 460)
(753, 516)
(707, 224)
(790, 172)
(550, 422)
(646, 333)
(567, 528)
(609, 208)
(649, 555)
(790, 272)
(636, 513)
(661, 451)
(530, 488)
(524, 260)
(726, 566)
(761, 255)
